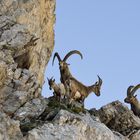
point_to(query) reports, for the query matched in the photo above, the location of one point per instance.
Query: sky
(107, 33)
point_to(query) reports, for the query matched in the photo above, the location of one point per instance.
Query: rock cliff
(26, 44)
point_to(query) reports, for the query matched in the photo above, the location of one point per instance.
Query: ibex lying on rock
(59, 89)
(77, 90)
(132, 100)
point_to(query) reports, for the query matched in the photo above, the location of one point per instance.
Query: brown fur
(59, 89)
(77, 87)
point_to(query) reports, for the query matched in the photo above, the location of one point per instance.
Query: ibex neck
(135, 103)
(90, 89)
(55, 87)
(65, 74)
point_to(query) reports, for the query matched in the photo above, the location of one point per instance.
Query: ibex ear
(135, 96)
(53, 80)
(48, 79)
(96, 83)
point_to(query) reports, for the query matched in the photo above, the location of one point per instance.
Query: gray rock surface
(69, 126)
(20, 21)
(32, 109)
(9, 129)
(135, 135)
(119, 118)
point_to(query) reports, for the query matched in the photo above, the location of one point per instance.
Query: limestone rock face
(20, 21)
(31, 109)
(9, 129)
(70, 126)
(135, 135)
(26, 44)
(119, 118)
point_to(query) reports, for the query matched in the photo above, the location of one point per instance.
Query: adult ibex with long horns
(63, 66)
(75, 87)
(132, 100)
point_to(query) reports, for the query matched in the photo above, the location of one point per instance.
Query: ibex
(63, 66)
(59, 89)
(132, 100)
(77, 90)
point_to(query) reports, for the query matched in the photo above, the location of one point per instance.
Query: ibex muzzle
(97, 87)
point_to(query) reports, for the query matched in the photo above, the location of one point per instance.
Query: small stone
(4, 92)
(3, 72)
(31, 109)
(14, 101)
(24, 78)
(10, 73)
(9, 129)
(17, 84)
(17, 73)
(26, 71)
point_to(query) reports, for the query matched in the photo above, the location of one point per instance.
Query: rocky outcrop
(9, 128)
(135, 135)
(69, 126)
(119, 118)
(20, 22)
(26, 44)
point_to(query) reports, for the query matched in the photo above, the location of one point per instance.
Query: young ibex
(59, 89)
(132, 100)
(77, 90)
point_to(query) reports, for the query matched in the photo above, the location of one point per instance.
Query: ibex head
(62, 63)
(130, 94)
(97, 86)
(51, 82)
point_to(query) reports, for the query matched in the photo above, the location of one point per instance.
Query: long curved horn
(99, 81)
(129, 90)
(58, 57)
(135, 89)
(72, 52)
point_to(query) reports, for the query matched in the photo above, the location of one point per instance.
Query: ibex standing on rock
(59, 89)
(76, 89)
(132, 100)
(79, 91)
(63, 66)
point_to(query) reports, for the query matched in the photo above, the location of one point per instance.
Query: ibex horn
(50, 78)
(58, 57)
(135, 89)
(100, 80)
(129, 90)
(72, 52)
